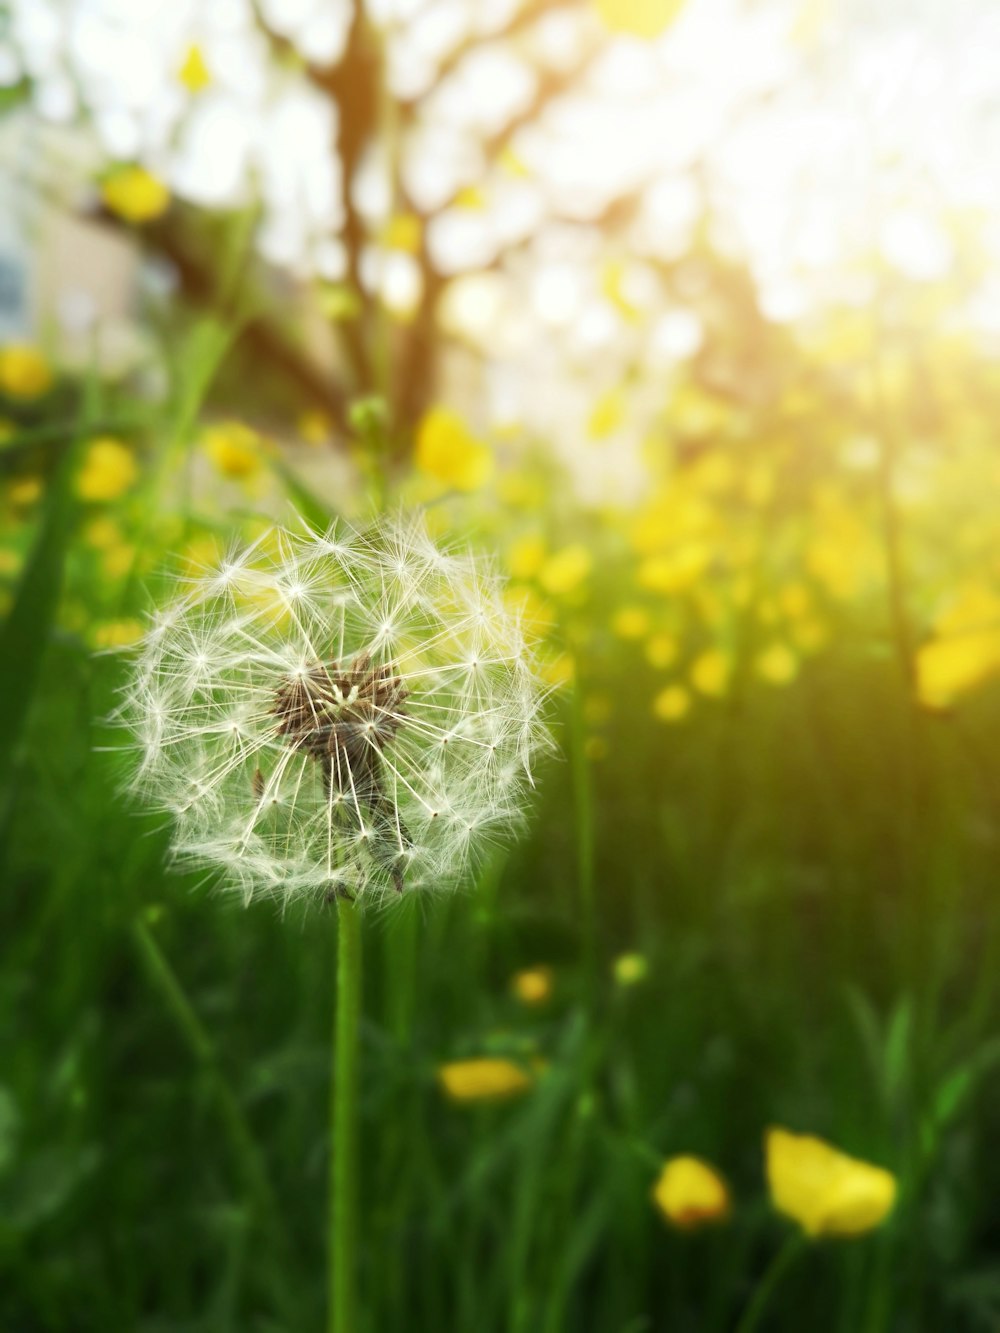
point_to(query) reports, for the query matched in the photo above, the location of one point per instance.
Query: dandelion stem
(343, 1234)
(779, 1266)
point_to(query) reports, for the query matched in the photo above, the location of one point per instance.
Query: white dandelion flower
(338, 713)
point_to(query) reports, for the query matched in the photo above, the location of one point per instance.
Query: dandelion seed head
(338, 713)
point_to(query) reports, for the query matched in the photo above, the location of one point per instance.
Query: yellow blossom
(827, 1192)
(448, 451)
(135, 195)
(558, 670)
(949, 668)
(631, 622)
(607, 415)
(566, 570)
(640, 18)
(109, 469)
(677, 571)
(777, 664)
(100, 533)
(710, 673)
(661, 650)
(486, 1079)
(533, 985)
(690, 1193)
(525, 557)
(24, 372)
(117, 561)
(234, 448)
(672, 703)
(403, 232)
(630, 968)
(194, 72)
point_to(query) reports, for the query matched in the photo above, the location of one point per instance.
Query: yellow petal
(448, 451)
(24, 372)
(109, 469)
(135, 195)
(827, 1192)
(533, 985)
(487, 1079)
(690, 1193)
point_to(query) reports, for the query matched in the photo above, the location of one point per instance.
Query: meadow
(712, 1045)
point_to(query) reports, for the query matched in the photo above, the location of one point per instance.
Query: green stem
(343, 1234)
(583, 821)
(780, 1264)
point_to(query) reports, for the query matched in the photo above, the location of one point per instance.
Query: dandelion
(109, 469)
(532, 985)
(690, 1193)
(343, 715)
(447, 451)
(672, 703)
(338, 714)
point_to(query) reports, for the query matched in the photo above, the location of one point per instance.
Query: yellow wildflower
(777, 664)
(109, 469)
(661, 650)
(533, 985)
(690, 1193)
(117, 561)
(710, 673)
(607, 415)
(100, 533)
(486, 1079)
(403, 232)
(558, 670)
(827, 1192)
(629, 969)
(525, 557)
(672, 703)
(677, 571)
(566, 570)
(24, 372)
(235, 448)
(949, 668)
(194, 73)
(448, 451)
(631, 622)
(135, 195)
(640, 18)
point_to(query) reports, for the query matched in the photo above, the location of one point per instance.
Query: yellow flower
(109, 469)
(607, 416)
(631, 622)
(194, 73)
(448, 451)
(558, 670)
(486, 1079)
(525, 557)
(777, 664)
(710, 673)
(824, 1190)
(135, 195)
(949, 668)
(675, 572)
(672, 703)
(640, 18)
(234, 448)
(118, 561)
(566, 570)
(630, 968)
(100, 533)
(661, 650)
(403, 232)
(24, 372)
(690, 1193)
(533, 985)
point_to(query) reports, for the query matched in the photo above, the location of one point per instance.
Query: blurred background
(688, 312)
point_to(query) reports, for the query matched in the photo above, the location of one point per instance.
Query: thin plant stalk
(766, 1287)
(343, 1228)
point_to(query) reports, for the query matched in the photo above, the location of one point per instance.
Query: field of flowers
(681, 1012)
